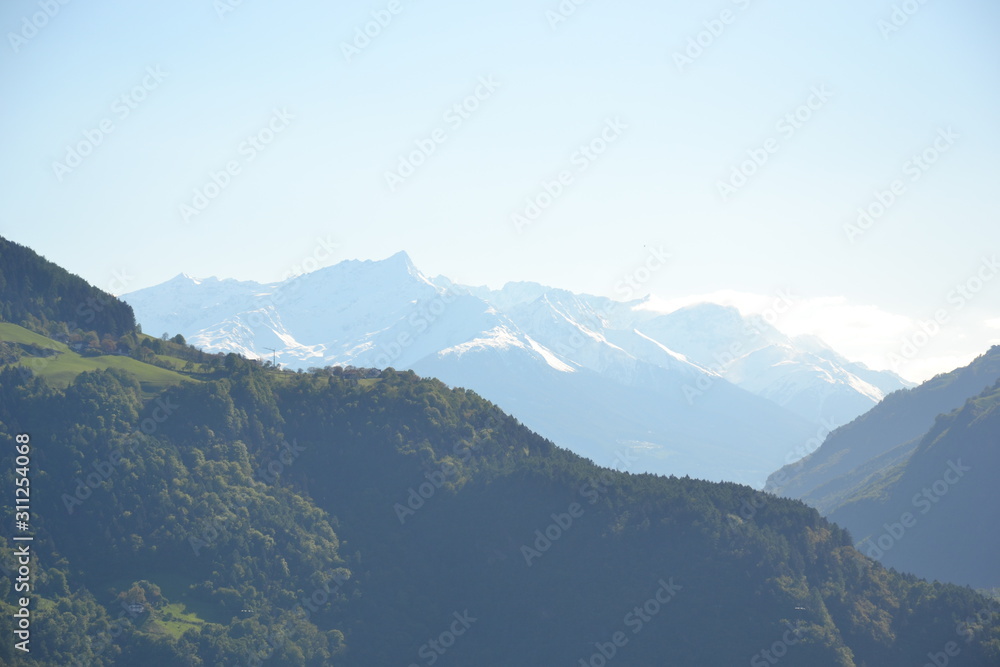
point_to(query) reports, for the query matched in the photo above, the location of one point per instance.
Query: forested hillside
(934, 513)
(324, 519)
(194, 509)
(886, 435)
(43, 296)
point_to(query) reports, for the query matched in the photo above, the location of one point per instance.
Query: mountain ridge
(901, 419)
(387, 313)
(350, 516)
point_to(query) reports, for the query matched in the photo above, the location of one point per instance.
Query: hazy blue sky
(200, 78)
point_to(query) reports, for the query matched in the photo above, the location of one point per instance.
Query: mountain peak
(184, 279)
(812, 343)
(392, 268)
(708, 308)
(402, 258)
(401, 262)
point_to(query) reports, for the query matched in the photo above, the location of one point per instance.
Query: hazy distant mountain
(863, 451)
(935, 513)
(802, 374)
(600, 376)
(914, 478)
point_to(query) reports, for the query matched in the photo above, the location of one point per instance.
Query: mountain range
(912, 479)
(201, 509)
(702, 391)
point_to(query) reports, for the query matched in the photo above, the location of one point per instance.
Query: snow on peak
(386, 312)
(551, 359)
(497, 338)
(184, 279)
(401, 264)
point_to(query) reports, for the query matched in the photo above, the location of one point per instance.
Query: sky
(838, 156)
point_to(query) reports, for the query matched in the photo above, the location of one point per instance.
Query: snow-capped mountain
(701, 391)
(802, 374)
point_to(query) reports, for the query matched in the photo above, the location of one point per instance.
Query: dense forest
(224, 512)
(45, 297)
(316, 519)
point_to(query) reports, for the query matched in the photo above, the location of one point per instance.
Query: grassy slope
(15, 334)
(176, 619)
(60, 370)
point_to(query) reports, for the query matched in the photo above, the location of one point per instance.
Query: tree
(134, 595)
